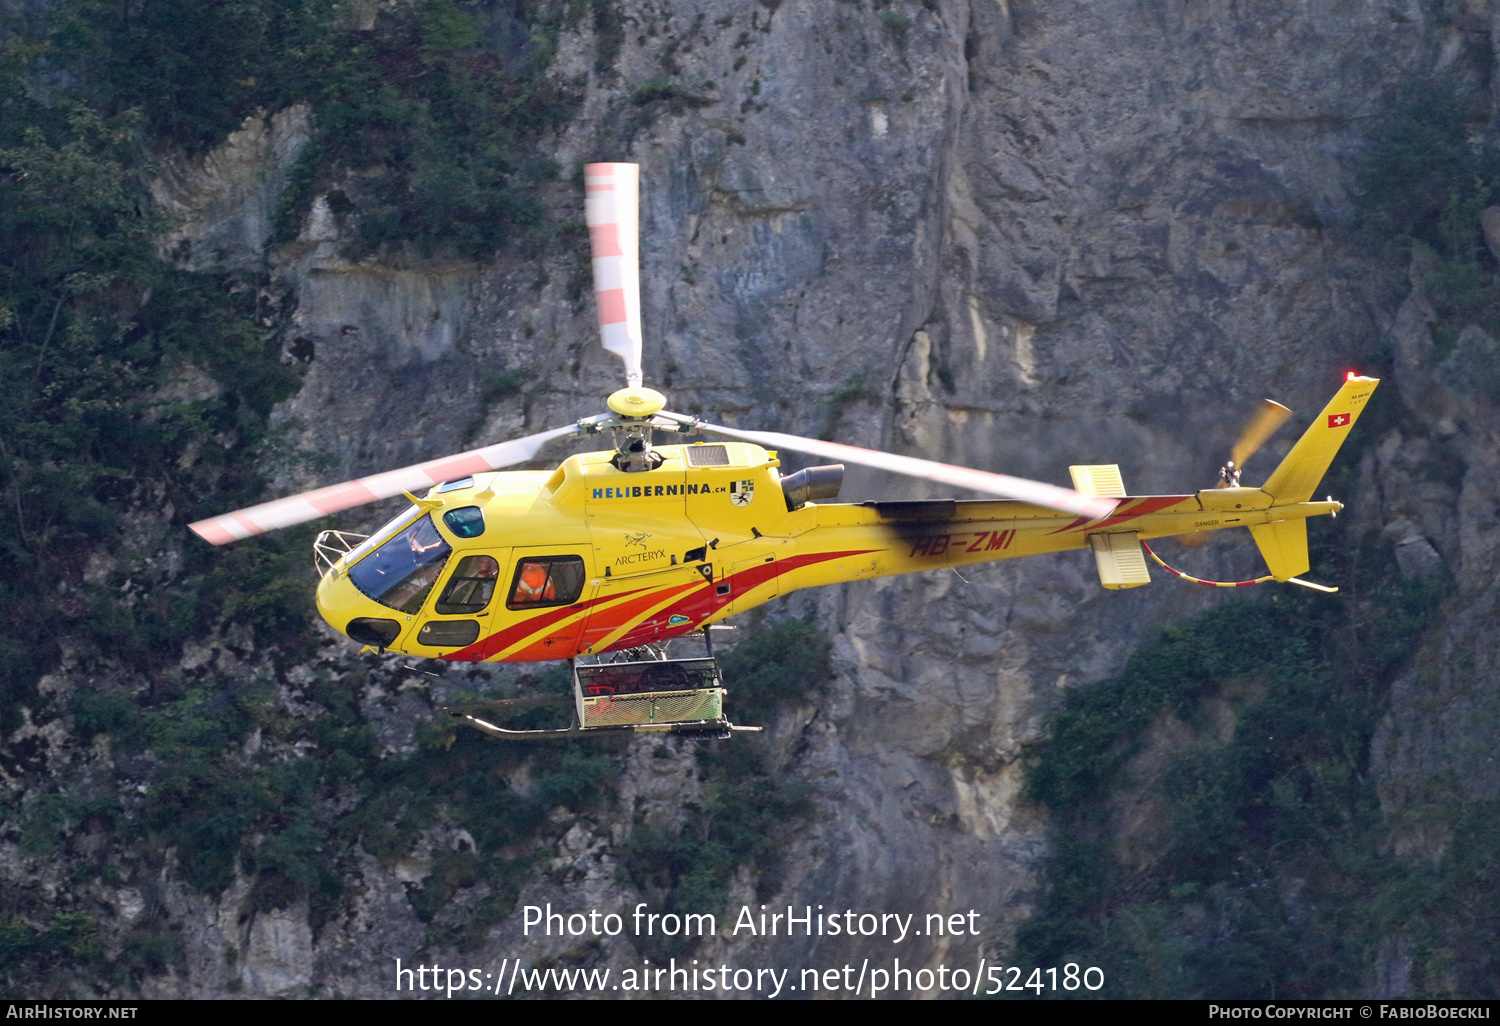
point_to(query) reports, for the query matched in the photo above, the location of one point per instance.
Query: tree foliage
(1425, 179)
(135, 397)
(94, 332)
(426, 115)
(1265, 869)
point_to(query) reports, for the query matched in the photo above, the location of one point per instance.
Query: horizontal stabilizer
(1283, 545)
(1100, 479)
(1119, 559)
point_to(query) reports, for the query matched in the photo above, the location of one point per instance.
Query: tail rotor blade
(1262, 425)
(1002, 485)
(612, 209)
(298, 509)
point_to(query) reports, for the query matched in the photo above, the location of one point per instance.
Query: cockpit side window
(466, 522)
(471, 587)
(401, 572)
(546, 581)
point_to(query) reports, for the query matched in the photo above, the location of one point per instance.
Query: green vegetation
(290, 827)
(1424, 182)
(70, 936)
(1216, 828)
(114, 426)
(609, 34)
(96, 332)
(748, 809)
(1246, 857)
(426, 117)
(665, 94)
(1418, 160)
(134, 398)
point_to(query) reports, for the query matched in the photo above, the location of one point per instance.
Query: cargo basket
(653, 707)
(650, 692)
(683, 697)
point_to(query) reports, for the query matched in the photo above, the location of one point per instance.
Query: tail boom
(822, 544)
(966, 533)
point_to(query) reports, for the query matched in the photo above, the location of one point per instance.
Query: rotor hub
(635, 406)
(636, 402)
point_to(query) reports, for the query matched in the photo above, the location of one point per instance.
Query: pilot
(534, 585)
(415, 537)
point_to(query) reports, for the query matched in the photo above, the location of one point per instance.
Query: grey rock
(1039, 235)
(279, 957)
(225, 203)
(1416, 557)
(1473, 366)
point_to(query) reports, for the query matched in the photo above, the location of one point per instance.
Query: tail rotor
(1261, 425)
(1268, 416)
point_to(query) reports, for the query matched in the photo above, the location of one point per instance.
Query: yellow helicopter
(615, 553)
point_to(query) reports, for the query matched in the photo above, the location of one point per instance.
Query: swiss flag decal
(1338, 420)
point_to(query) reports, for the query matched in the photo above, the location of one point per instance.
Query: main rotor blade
(1003, 485)
(1262, 425)
(298, 509)
(612, 210)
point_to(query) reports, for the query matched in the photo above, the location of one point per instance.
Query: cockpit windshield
(401, 572)
(406, 516)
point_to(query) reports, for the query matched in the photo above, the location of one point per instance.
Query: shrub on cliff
(427, 114)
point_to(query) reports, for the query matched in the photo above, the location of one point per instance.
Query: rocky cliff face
(1006, 234)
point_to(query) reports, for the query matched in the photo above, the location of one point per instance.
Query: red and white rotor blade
(612, 209)
(298, 509)
(1002, 485)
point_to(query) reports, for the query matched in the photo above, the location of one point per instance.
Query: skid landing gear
(640, 691)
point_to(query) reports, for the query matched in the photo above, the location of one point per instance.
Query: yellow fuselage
(702, 537)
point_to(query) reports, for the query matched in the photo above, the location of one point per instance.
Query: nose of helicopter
(356, 616)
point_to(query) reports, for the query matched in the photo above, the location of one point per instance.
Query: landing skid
(640, 691)
(701, 730)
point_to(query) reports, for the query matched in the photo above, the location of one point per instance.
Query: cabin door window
(471, 587)
(546, 581)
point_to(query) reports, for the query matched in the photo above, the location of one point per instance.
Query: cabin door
(549, 588)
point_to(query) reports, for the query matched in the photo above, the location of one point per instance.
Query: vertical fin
(1298, 475)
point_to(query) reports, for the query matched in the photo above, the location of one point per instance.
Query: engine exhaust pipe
(813, 483)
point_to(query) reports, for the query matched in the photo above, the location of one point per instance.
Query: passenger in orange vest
(534, 585)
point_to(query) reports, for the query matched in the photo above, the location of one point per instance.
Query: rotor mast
(630, 428)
